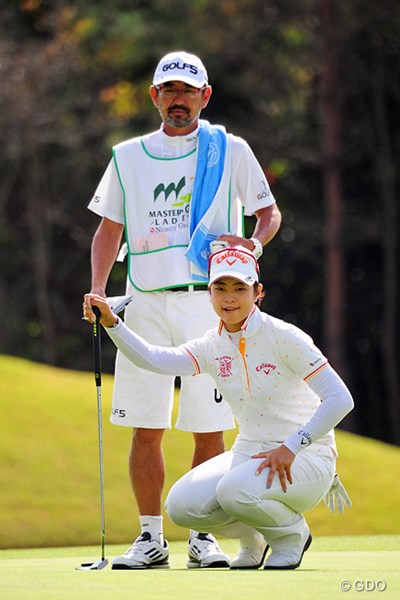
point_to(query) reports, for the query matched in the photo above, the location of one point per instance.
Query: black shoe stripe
(154, 553)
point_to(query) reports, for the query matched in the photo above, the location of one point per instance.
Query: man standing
(173, 191)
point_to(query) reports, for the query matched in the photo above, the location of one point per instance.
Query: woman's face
(232, 301)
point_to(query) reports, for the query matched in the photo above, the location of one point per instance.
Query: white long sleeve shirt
(278, 383)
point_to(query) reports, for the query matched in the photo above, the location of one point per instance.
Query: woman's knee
(189, 504)
(193, 498)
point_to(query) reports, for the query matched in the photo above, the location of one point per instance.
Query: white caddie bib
(157, 194)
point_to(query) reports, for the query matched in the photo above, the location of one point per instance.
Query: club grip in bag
(97, 346)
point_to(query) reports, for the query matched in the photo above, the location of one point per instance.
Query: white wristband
(258, 247)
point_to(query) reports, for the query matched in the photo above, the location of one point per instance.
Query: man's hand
(235, 240)
(336, 497)
(267, 224)
(88, 314)
(107, 317)
(279, 461)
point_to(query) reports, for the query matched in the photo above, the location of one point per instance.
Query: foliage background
(313, 86)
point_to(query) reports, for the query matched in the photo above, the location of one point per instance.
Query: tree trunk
(334, 317)
(385, 175)
(39, 225)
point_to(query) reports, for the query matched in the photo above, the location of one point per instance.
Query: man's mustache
(178, 107)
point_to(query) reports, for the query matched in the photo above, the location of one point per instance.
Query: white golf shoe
(144, 553)
(289, 558)
(250, 557)
(204, 552)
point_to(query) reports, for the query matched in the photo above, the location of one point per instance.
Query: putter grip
(97, 346)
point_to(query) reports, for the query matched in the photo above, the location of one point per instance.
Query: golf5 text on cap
(181, 66)
(237, 262)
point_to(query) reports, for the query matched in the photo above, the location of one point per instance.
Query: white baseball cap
(181, 66)
(236, 262)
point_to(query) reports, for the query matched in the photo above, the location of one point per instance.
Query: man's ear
(154, 95)
(206, 96)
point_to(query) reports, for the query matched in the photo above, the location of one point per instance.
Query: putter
(100, 564)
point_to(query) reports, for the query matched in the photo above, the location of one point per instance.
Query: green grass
(49, 467)
(49, 574)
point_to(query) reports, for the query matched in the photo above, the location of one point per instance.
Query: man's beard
(180, 122)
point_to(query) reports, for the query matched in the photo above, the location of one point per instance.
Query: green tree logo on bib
(169, 189)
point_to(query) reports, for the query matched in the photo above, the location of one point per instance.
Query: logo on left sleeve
(306, 438)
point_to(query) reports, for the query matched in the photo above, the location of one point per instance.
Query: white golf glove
(336, 497)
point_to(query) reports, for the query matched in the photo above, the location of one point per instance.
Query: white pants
(224, 496)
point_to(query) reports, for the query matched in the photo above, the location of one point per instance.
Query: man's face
(179, 104)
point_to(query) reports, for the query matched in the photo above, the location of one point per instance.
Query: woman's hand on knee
(278, 461)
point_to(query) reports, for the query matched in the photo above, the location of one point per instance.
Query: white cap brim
(178, 77)
(239, 276)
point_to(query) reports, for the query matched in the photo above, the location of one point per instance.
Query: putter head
(93, 566)
(118, 303)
